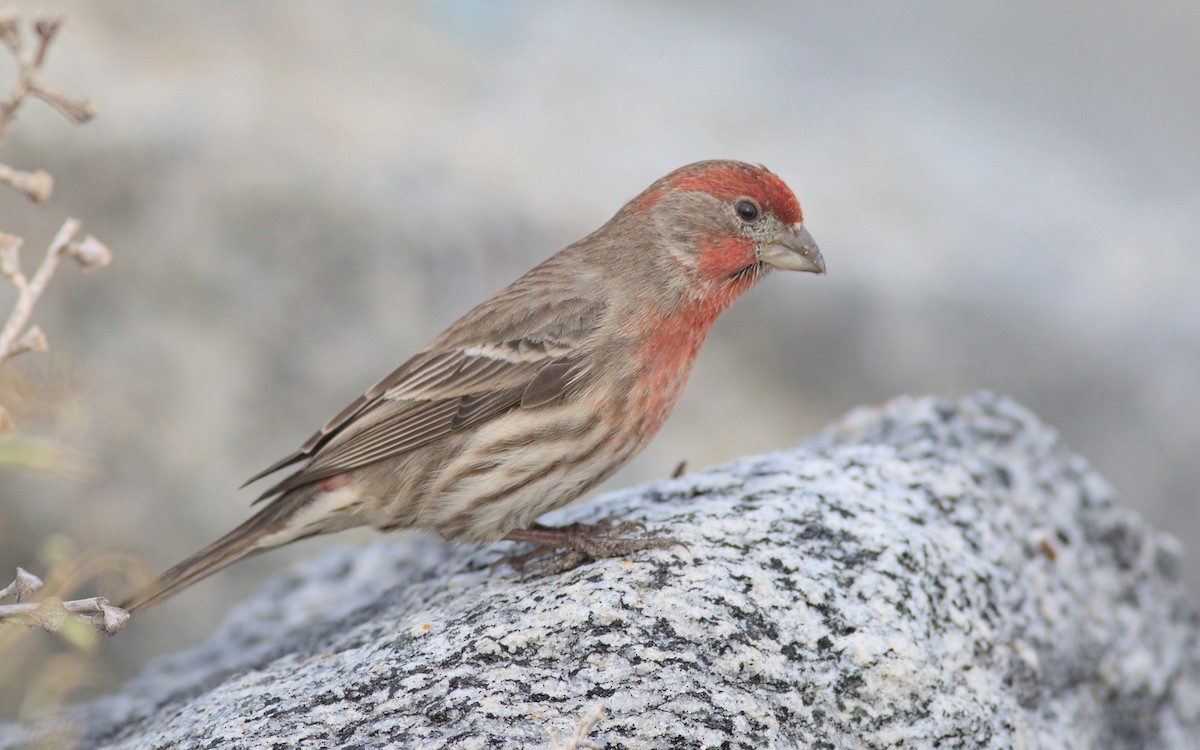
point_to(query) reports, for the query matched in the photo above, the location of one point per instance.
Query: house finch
(541, 392)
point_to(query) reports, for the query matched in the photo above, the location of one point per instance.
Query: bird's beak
(794, 250)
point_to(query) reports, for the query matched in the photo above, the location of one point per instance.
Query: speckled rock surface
(925, 574)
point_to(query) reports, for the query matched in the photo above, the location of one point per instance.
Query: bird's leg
(579, 542)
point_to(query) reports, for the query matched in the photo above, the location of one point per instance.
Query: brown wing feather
(422, 366)
(400, 426)
(451, 385)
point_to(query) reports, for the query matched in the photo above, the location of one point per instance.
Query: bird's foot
(566, 547)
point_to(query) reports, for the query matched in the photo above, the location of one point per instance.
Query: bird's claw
(561, 549)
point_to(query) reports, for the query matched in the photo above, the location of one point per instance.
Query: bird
(540, 392)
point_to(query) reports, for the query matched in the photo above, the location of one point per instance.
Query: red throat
(721, 257)
(666, 361)
(668, 350)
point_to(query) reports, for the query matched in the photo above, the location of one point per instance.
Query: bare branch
(78, 110)
(17, 334)
(25, 74)
(50, 613)
(90, 253)
(46, 28)
(37, 185)
(34, 341)
(579, 740)
(13, 338)
(10, 35)
(23, 585)
(10, 256)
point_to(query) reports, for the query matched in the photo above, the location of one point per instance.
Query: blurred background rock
(301, 194)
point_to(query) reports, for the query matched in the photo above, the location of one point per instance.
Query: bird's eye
(746, 210)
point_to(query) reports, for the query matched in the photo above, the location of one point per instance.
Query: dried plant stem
(49, 614)
(578, 740)
(37, 185)
(14, 339)
(17, 336)
(28, 67)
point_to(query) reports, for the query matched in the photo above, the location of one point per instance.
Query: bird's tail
(261, 532)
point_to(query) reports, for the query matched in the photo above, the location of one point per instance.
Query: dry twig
(89, 252)
(17, 335)
(49, 614)
(579, 740)
(37, 185)
(29, 66)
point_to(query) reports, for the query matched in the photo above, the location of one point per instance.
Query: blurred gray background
(300, 194)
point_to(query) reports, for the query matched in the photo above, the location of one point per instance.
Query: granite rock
(927, 573)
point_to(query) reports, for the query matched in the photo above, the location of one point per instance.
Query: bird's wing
(457, 382)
